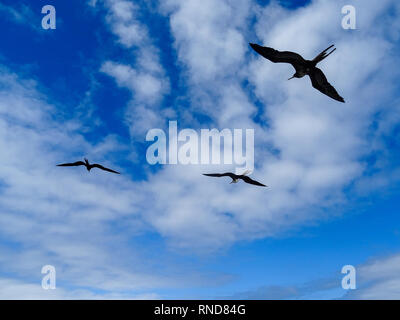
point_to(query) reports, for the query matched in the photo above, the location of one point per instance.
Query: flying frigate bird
(303, 67)
(235, 177)
(87, 165)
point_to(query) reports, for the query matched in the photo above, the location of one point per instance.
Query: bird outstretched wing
(251, 181)
(73, 164)
(320, 83)
(279, 56)
(103, 168)
(226, 174)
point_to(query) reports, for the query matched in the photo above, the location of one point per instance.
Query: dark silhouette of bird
(235, 177)
(303, 67)
(87, 165)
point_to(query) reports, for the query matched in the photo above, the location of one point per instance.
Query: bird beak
(291, 78)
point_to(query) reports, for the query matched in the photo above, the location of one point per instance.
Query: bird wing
(103, 168)
(251, 181)
(279, 56)
(226, 174)
(320, 83)
(74, 164)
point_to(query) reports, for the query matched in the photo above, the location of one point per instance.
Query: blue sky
(114, 69)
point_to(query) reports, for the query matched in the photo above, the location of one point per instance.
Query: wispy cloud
(66, 218)
(376, 279)
(21, 14)
(309, 148)
(145, 78)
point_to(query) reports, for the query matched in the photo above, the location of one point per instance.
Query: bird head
(296, 75)
(87, 161)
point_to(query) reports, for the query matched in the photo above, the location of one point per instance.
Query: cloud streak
(309, 148)
(146, 78)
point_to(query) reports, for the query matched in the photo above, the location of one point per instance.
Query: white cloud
(123, 20)
(19, 290)
(81, 223)
(309, 148)
(146, 87)
(377, 279)
(21, 14)
(145, 78)
(208, 36)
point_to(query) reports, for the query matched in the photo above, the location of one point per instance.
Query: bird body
(303, 67)
(87, 165)
(235, 177)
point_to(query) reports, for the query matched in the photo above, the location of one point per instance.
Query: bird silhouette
(303, 67)
(87, 165)
(235, 177)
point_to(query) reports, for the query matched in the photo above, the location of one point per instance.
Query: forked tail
(323, 55)
(246, 173)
